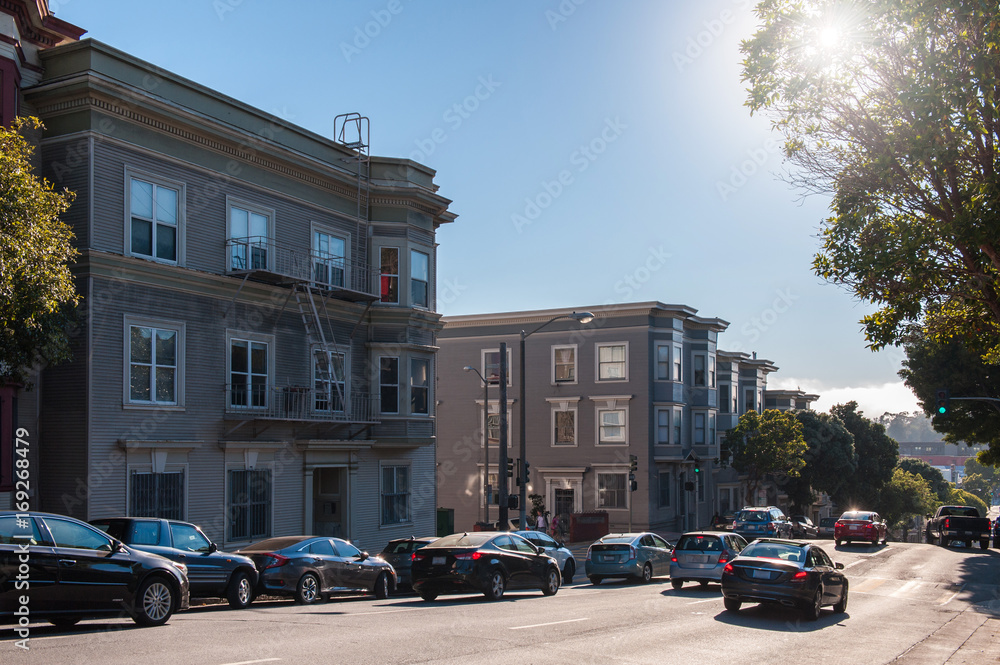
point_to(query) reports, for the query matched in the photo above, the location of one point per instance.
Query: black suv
(762, 522)
(67, 570)
(213, 574)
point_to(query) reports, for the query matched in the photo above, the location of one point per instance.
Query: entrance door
(328, 502)
(563, 500)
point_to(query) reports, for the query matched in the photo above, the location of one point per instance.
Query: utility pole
(503, 521)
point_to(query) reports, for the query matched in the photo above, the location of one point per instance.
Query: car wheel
(929, 538)
(382, 586)
(732, 605)
(552, 579)
(703, 583)
(813, 609)
(848, 542)
(154, 602)
(596, 579)
(496, 587)
(677, 584)
(841, 605)
(983, 544)
(837, 543)
(428, 595)
(647, 573)
(945, 542)
(240, 592)
(307, 591)
(569, 571)
(64, 622)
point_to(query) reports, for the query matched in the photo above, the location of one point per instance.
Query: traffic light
(633, 462)
(697, 467)
(512, 502)
(942, 398)
(633, 485)
(510, 467)
(526, 468)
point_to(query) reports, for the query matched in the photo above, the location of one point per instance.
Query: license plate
(699, 559)
(608, 557)
(762, 574)
(752, 527)
(854, 527)
(438, 560)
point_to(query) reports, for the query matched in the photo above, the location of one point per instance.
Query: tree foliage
(935, 479)
(763, 444)
(960, 497)
(911, 427)
(36, 289)
(932, 364)
(905, 495)
(891, 106)
(830, 460)
(877, 456)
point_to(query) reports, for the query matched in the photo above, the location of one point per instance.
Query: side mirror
(213, 548)
(363, 556)
(117, 546)
(838, 566)
(539, 549)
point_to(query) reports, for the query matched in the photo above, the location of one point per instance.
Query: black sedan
(62, 570)
(485, 562)
(309, 568)
(787, 572)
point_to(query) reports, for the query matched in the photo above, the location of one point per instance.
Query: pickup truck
(211, 573)
(958, 523)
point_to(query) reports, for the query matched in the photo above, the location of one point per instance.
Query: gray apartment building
(256, 344)
(644, 379)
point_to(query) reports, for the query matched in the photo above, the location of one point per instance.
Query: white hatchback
(555, 549)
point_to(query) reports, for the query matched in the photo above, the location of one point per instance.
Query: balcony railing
(267, 257)
(295, 403)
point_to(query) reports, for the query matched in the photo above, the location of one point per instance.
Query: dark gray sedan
(312, 567)
(399, 553)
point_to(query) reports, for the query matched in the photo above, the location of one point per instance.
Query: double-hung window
(329, 259)
(699, 428)
(612, 425)
(389, 280)
(248, 373)
(678, 374)
(395, 494)
(678, 422)
(700, 369)
(420, 386)
(420, 278)
(711, 428)
(154, 214)
(564, 364)
(329, 381)
(388, 379)
(612, 490)
(153, 365)
(612, 362)
(564, 424)
(663, 426)
(249, 237)
(491, 366)
(724, 401)
(662, 362)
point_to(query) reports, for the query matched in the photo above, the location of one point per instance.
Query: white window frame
(381, 386)
(598, 490)
(430, 273)
(576, 365)
(345, 267)
(597, 362)
(482, 366)
(699, 382)
(429, 387)
(712, 379)
(668, 411)
(666, 364)
(725, 397)
(678, 364)
(493, 415)
(179, 228)
(344, 381)
(399, 260)
(703, 428)
(393, 464)
(180, 328)
(677, 426)
(564, 406)
(615, 441)
(238, 335)
(268, 213)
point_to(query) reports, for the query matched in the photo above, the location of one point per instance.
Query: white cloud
(872, 401)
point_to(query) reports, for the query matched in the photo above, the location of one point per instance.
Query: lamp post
(581, 317)
(486, 442)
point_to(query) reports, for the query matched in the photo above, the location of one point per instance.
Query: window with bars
(395, 494)
(249, 504)
(611, 490)
(157, 495)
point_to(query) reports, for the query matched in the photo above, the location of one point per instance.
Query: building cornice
(36, 24)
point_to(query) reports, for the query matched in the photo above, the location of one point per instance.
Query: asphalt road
(917, 603)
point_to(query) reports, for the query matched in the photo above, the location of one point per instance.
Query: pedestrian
(555, 526)
(542, 523)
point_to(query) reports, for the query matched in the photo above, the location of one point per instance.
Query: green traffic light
(941, 409)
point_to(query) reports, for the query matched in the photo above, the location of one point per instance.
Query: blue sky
(596, 152)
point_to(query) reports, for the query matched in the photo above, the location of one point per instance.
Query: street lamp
(486, 441)
(580, 317)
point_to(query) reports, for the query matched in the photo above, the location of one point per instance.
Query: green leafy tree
(37, 295)
(960, 497)
(905, 495)
(763, 444)
(877, 456)
(979, 486)
(935, 479)
(829, 460)
(911, 427)
(890, 106)
(932, 364)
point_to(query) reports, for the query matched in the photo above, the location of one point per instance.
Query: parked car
(483, 561)
(399, 553)
(787, 572)
(765, 522)
(639, 556)
(723, 522)
(826, 527)
(803, 527)
(958, 523)
(309, 568)
(211, 573)
(79, 572)
(700, 556)
(555, 549)
(859, 525)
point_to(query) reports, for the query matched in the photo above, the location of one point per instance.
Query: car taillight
(673, 558)
(631, 552)
(728, 570)
(946, 520)
(838, 525)
(469, 556)
(588, 555)
(724, 557)
(417, 557)
(801, 575)
(275, 560)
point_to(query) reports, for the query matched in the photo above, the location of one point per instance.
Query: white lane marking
(952, 596)
(912, 585)
(250, 662)
(551, 623)
(867, 556)
(707, 600)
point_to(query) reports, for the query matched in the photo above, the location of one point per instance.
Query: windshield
(751, 516)
(465, 540)
(856, 515)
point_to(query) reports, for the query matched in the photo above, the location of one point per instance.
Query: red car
(859, 525)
